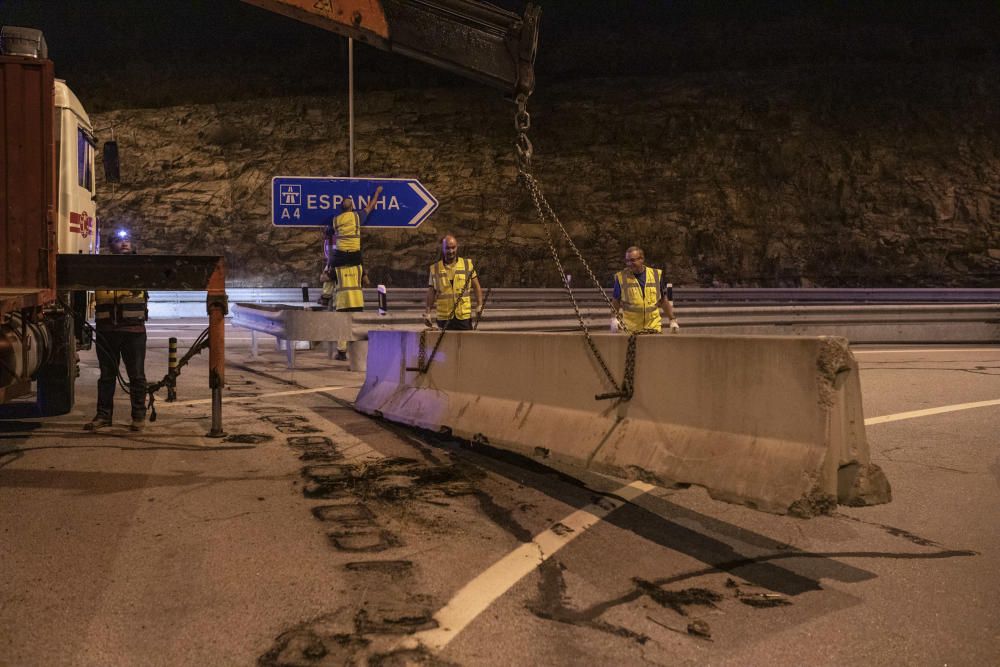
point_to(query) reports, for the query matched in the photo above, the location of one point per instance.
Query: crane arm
(472, 38)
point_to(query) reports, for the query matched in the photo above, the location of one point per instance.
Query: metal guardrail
(525, 297)
(191, 304)
(859, 323)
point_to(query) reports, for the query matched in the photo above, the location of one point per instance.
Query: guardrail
(191, 304)
(859, 323)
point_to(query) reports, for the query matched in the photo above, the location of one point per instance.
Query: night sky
(154, 53)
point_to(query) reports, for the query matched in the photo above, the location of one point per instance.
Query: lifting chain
(524, 152)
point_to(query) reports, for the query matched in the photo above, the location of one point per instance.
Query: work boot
(324, 301)
(341, 355)
(137, 425)
(97, 423)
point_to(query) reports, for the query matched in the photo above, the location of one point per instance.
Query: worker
(345, 265)
(448, 289)
(121, 336)
(640, 294)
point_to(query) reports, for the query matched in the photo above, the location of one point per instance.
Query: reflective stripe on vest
(448, 291)
(347, 225)
(348, 291)
(639, 309)
(120, 307)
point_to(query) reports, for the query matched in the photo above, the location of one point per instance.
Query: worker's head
(347, 204)
(449, 248)
(635, 260)
(120, 243)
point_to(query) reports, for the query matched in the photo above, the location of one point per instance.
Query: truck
(47, 180)
(48, 207)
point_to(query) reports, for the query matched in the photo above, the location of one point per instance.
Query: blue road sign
(305, 201)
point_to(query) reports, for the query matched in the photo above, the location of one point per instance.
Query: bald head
(449, 248)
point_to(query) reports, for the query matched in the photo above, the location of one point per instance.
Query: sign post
(305, 201)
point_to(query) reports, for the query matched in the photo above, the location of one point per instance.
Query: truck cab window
(85, 159)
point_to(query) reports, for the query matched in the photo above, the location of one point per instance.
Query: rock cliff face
(854, 176)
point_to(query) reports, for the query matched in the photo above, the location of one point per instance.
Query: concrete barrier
(770, 422)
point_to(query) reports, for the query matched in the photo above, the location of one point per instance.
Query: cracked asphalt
(313, 535)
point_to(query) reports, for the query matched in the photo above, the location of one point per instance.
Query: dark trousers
(130, 348)
(455, 324)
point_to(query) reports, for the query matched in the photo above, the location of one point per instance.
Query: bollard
(217, 304)
(305, 292)
(172, 369)
(383, 301)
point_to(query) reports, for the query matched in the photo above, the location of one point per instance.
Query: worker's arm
(373, 200)
(479, 293)
(428, 305)
(668, 308)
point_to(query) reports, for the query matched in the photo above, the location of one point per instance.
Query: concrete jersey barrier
(771, 422)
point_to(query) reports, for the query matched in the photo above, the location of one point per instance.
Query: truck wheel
(57, 378)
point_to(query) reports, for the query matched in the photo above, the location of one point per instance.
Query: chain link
(624, 391)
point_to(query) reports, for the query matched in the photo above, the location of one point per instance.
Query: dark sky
(158, 52)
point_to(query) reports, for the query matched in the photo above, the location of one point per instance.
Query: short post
(172, 369)
(383, 300)
(305, 292)
(218, 307)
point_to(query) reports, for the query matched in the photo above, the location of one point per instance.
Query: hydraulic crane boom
(471, 38)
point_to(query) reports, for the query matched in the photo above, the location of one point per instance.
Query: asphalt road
(313, 535)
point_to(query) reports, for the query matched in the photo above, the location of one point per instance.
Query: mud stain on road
(353, 636)
(387, 480)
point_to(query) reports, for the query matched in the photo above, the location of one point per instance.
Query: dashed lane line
(477, 595)
(899, 416)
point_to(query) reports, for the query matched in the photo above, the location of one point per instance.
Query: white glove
(614, 324)
(674, 327)
(428, 321)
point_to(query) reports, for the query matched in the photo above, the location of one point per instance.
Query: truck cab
(76, 227)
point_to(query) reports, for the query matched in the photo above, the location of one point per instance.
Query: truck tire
(57, 378)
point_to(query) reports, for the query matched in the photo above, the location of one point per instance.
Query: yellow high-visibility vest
(120, 307)
(639, 309)
(349, 295)
(449, 283)
(347, 225)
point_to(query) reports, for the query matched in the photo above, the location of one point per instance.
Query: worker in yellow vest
(448, 289)
(121, 335)
(639, 294)
(345, 268)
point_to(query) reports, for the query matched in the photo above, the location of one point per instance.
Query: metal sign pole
(350, 104)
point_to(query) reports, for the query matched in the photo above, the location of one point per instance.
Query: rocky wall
(867, 176)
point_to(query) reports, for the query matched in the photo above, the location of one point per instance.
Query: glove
(614, 324)
(428, 321)
(324, 277)
(674, 327)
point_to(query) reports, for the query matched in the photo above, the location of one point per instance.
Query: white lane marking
(950, 350)
(929, 411)
(477, 595)
(233, 399)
